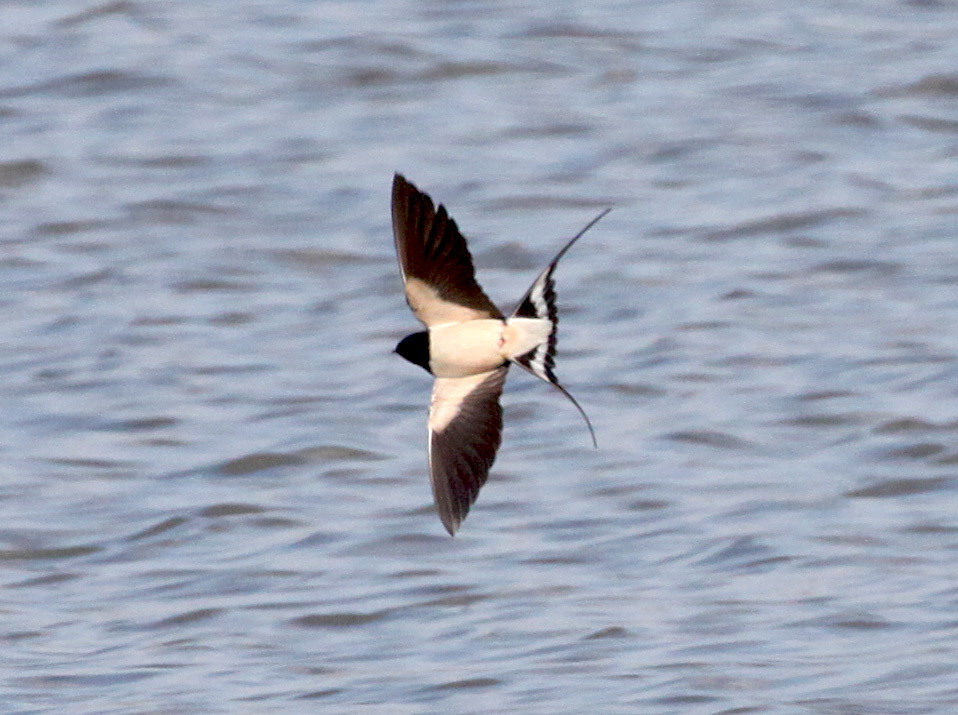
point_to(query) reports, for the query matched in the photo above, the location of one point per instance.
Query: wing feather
(465, 429)
(437, 270)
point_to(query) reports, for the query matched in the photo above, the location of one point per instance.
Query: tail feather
(539, 303)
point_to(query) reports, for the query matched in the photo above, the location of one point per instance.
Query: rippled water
(213, 493)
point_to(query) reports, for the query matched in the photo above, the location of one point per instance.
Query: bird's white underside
(478, 346)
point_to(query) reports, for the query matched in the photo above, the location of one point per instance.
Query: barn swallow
(467, 346)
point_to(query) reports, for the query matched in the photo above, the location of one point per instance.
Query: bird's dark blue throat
(415, 348)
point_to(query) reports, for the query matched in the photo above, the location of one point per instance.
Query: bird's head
(415, 348)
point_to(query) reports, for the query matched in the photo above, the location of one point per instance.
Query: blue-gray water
(213, 494)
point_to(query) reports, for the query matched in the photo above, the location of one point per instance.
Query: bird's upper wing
(465, 429)
(437, 269)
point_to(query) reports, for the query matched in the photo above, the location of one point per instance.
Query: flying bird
(467, 346)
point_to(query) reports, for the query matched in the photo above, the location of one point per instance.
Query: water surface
(213, 493)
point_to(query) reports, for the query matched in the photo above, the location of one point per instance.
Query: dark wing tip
(405, 194)
(451, 520)
(399, 185)
(460, 464)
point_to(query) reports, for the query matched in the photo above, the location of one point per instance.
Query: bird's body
(474, 346)
(468, 348)
(468, 345)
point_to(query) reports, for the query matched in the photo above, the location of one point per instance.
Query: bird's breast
(467, 348)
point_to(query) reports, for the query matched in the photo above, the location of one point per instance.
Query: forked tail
(536, 313)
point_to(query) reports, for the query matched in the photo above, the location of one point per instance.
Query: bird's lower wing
(465, 429)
